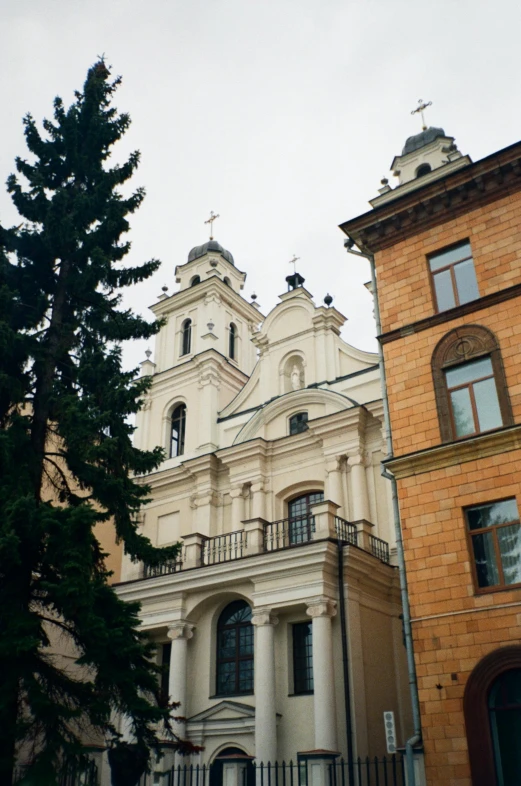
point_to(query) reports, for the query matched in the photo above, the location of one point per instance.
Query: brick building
(445, 245)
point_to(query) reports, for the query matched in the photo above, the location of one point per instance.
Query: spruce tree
(66, 457)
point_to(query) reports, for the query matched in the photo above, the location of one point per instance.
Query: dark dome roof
(210, 245)
(421, 140)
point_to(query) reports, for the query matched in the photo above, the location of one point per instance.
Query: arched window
(235, 650)
(195, 280)
(232, 343)
(298, 423)
(469, 383)
(492, 707)
(178, 428)
(227, 281)
(301, 522)
(186, 337)
(423, 169)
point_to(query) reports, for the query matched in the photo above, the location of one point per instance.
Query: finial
(165, 289)
(210, 221)
(294, 262)
(253, 296)
(422, 106)
(148, 353)
(384, 181)
(328, 300)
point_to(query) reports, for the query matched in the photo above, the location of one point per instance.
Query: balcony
(263, 537)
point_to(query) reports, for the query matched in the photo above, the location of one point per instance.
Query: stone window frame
(237, 606)
(460, 345)
(476, 711)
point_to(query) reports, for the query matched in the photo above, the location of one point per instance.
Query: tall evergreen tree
(66, 457)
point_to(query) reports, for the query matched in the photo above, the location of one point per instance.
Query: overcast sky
(280, 115)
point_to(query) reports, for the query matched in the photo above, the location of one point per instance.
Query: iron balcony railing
(379, 548)
(163, 569)
(345, 531)
(289, 532)
(223, 548)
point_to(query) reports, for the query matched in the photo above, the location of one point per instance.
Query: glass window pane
(452, 255)
(466, 281)
(246, 640)
(510, 547)
(506, 732)
(495, 513)
(487, 404)
(444, 290)
(462, 412)
(468, 372)
(485, 558)
(227, 644)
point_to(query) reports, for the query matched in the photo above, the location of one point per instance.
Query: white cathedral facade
(279, 624)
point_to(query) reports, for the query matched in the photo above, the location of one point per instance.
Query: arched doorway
(492, 707)
(216, 767)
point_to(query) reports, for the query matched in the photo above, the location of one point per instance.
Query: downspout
(413, 684)
(345, 666)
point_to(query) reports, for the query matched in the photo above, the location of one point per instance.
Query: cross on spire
(294, 262)
(422, 106)
(210, 221)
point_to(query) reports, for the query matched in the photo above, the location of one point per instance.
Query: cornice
(191, 370)
(453, 313)
(481, 446)
(458, 192)
(211, 285)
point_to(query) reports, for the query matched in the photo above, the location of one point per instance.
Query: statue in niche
(295, 377)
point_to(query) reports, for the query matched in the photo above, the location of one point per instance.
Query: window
(423, 169)
(166, 651)
(302, 658)
(495, 538)
(492, 707)
(473, 397)
(227, 281)
(186, 337)
(469, 383)
(235, 650)
(195, 280)
(453, 277)
(504, 705)
(298, 423)
(232, 340)
(177, 437)
(301, 522)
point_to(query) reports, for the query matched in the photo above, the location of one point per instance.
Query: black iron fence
(383, 771)
(345, 531)
(289, 532)
(379, 548)
(163, 569)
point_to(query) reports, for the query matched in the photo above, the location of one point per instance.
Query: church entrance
(216, 768)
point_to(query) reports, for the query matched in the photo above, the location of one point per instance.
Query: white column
(265, 710)
(333, 489)
(359, 488)
(258, 501)
(237, 507)
(179, 633)
(321, 611)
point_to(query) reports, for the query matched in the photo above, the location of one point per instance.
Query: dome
(421, 140)
(210, 245)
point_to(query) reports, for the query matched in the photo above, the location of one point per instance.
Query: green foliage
(66, 457)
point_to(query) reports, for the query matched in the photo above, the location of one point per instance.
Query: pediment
(224, 710)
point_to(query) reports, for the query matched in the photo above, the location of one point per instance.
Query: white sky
(280, 115)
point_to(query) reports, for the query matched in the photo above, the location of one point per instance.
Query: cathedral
(279, 625)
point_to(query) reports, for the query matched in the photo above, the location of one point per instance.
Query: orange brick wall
(453, 627)
(440, 583)
(494, 232)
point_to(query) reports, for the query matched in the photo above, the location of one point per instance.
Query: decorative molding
(180, 630)
(263, 616)
(448, 455)
(321, 607)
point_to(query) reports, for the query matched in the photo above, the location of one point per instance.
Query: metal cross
(422, 106)
(294, 263)
(210, 221)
